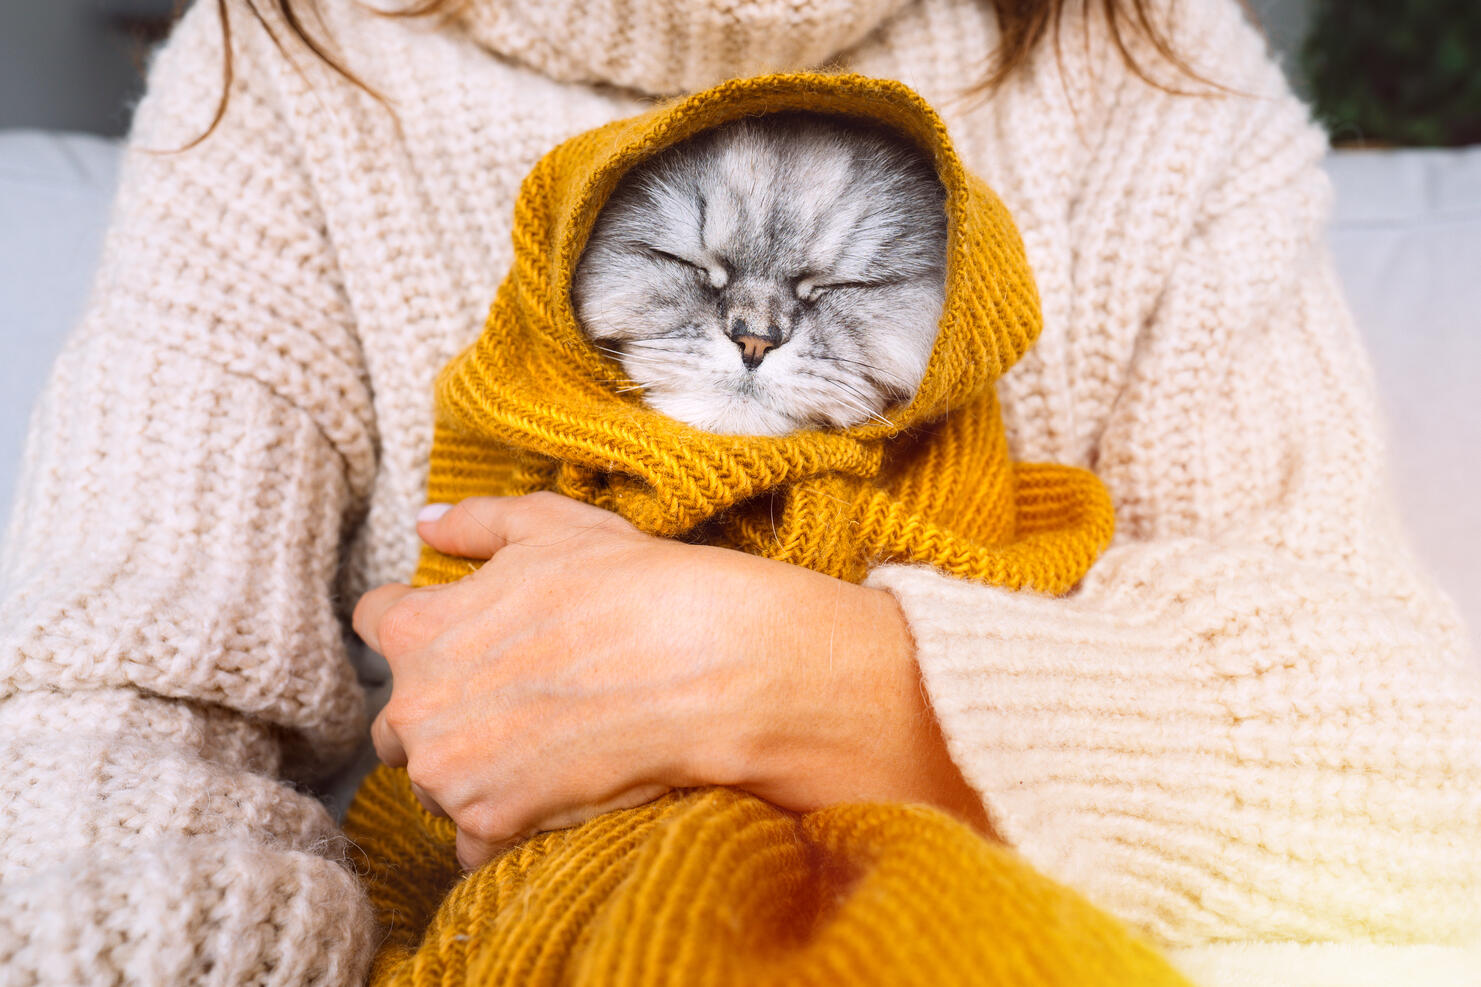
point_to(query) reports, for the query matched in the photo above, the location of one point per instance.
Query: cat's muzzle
(754, 346)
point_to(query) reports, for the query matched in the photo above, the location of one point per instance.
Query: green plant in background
(1397, 71)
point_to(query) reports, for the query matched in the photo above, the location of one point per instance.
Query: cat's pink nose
(753, 349)
(753, 345)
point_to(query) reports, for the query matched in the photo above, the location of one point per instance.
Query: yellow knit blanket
(714, 886)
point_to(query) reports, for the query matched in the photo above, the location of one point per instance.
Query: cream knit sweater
(1252, 733)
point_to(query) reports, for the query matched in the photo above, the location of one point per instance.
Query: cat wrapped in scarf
(899, 455)
(771, 274)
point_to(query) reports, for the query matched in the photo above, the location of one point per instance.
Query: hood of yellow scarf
(532, 404)
(534, 355)
(664, 47)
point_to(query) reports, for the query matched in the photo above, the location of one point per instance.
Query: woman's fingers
(428, 802)
(388, 746)
(494, 655)
(371, 610)
(389, 749)
(474, 852)
(470, 529)
(478, 527)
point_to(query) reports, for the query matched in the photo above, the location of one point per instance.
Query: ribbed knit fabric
(1250, 733)
(713, 887)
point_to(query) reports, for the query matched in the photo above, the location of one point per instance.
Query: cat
(772, 274)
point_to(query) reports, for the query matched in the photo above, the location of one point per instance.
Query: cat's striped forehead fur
(776, 273)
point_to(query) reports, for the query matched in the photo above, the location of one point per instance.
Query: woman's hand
(588, 666)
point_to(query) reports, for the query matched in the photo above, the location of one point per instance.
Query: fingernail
(432, 512)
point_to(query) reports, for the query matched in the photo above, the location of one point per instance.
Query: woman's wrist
(921, 768)
(842, 716)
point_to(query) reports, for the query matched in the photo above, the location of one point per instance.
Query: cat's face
(773, 274)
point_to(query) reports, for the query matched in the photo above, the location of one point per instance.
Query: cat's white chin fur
(723, 414)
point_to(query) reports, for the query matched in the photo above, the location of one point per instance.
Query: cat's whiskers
(885, 377)
(871, 413)
(647, 383)
(863, 398)
(864, 410)
(621, 353)
(852, 397)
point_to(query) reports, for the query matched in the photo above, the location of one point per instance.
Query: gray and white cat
(775, 273)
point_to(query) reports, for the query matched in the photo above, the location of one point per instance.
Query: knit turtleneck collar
(662, 47)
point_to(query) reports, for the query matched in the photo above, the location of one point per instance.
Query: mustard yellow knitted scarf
(714, 886)
(532, 404)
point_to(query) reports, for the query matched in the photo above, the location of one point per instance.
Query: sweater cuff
(1057, 721)
(1212, 746)
(142, 840)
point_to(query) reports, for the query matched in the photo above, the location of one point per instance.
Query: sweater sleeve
(168, 637)
(1254, 720)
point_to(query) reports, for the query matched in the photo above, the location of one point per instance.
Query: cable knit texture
(1251, 733)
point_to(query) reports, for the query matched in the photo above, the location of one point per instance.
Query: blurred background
(1402, 72)
(75, 64)
(1397, 83)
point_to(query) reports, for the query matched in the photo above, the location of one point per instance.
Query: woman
(1249, 734)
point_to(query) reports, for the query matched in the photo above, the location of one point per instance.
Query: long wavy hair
(1022, 26)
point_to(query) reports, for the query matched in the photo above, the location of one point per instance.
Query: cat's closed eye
(773, 274)
(810, 289)
(715, 274)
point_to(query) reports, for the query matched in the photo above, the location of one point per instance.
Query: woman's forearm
(851, 722)
(586, 662)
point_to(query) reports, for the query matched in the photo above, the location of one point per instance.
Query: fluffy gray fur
(772, 274)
